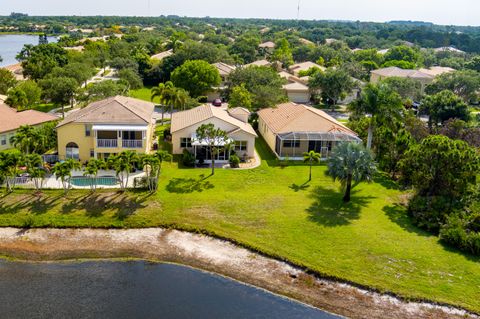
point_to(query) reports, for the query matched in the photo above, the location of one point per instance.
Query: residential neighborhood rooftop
(223, 68)
(12, 120)
(114, 110)
(162, 55)
(292, 117)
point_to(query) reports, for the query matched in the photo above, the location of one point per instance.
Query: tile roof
(114, 110)
(259, 63)
(184, 119)
(416, 74)
(268, 44)
(12, 120)
(162, 55)
(239, 110)
(292, 117)
(296, 87)
(304, 66)
(223, 68)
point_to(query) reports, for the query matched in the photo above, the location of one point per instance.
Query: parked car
(217, 102)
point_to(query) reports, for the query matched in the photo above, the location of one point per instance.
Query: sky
(449, 12)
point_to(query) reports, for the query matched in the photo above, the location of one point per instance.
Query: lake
(12, 44)
(134, 289)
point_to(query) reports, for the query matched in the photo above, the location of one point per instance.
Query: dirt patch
(217, 256)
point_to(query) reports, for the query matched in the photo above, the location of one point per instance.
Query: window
(3, 140)
(92, 153)
(291, 143)
(72, 151)
(240, 146)
(185, 142)
(87, 130)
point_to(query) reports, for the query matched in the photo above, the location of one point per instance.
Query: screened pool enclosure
(292, 145)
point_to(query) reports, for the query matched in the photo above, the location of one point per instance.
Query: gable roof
(12, 120)
(304, 66)
(239, 110)
(223, 68)
(184, 119)
(259, 63)
(296, 87)
(292, 117)
(415, 74)
(162, 55)
(114, 110)
(268, 44)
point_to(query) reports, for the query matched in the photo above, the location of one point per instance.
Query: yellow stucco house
(105, 128)
(233, 121)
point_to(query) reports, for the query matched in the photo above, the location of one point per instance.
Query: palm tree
(151, 165)
(123, 164)
(163, 92)
(380, 103)
(63, 171)
(10, 163)
(351, 162)
(35, 169)
(310, 158)
(179, 98)
(215, 138)
(24, 138)
(91, 170)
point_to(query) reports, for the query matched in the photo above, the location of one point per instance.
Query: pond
(134, 289)
(12, 44)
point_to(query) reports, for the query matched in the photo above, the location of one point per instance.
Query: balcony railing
(107, 143)
(132, 143)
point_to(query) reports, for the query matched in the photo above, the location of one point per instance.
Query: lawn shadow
(95, 204)
(386, 181)
(37, 203)
(189, 185)
(398, 214)
(297, 188)
(328, 208)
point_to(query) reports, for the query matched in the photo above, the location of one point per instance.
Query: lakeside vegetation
(370, 241)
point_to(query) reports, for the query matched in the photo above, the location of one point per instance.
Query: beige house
(424, 76)
(106, 128)
(291, 129)
(233, 121)
(297, 92)
(224, 69)
(11, 120)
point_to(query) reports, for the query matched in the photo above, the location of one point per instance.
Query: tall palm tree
(123, 164)
(310, 158)
(179, 98)
(164, 92)
(351, 162)
(63, 171)
(10, 163)
(215, 138)
(380, 103)
(151, 165)
(25, 138)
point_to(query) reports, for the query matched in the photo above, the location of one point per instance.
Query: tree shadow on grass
(35, 203)
(297, 188)
(189, 185)
(386, 181)
(95, 204)
(398, 214)
(328, 208)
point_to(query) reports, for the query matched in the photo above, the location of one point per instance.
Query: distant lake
(135, 289)
(12, 44)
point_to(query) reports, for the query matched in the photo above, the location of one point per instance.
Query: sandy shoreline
(217, 256)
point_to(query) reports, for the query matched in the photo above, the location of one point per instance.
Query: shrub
(463, 232)
(188, 159)
(234, 161)
(430, 212)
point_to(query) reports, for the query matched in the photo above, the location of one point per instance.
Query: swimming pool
(99, 181)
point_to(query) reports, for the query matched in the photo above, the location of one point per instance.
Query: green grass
(369, 241)
(44, 107)
(143, 94)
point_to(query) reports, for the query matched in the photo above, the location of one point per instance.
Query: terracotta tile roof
(259, 63)
(223, 68)
(114, 110)
(415, 74)
(437, 70)
(296, 87)
(184, 119)
(12, 120)
(239, 110)
(304, 66)
(292, 117)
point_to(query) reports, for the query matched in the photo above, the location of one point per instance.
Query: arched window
(72, 151)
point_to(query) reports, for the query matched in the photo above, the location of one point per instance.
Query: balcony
(132, 143)
(107, 143)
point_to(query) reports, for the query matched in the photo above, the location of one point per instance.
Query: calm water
(134, 290)
(11, 45)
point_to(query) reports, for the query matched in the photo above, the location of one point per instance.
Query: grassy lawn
(143, 94)
(44, 107)
(369, 241)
